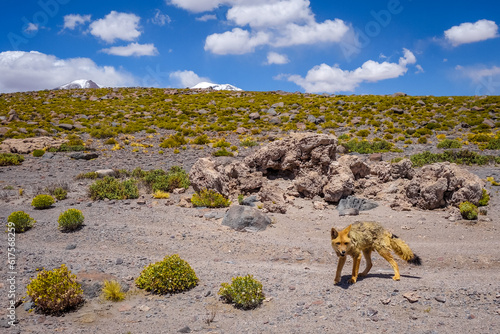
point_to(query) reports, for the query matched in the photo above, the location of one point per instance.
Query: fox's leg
(368, 257)
(340, 265)
(386, 254)
(355, 268)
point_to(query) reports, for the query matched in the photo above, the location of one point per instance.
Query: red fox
(364, 237)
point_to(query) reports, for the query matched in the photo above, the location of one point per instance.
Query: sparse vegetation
(464, 157)
(170, 275)
(485, 198)
(468, 210)
(21, 220)
(111, 188)
(112, 290)
(42, 202)
(9, 159)
(244, 292)
(55, 291)
(209, 198)
(70, 220)
(449, 143)
(38, 153)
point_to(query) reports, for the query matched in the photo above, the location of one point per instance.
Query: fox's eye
(337, 243)
(346, 243)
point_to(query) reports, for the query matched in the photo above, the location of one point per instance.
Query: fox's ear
(348, 229)
(334, 233)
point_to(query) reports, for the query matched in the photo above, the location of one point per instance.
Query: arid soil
(456, 290)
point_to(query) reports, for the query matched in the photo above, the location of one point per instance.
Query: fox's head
(341, 241)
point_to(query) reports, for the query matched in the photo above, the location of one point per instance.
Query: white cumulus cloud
(332, 79)
(27, 71)
(272, 14)
(237, 41)
(133, 49)
(207, 17)
(196, 6)
(115, 26)
(71, 21)
(276, 58)
(183, 79)
(471, 32)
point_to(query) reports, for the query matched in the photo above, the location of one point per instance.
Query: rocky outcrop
(28, 145)
(294, 154)
(309, 161)
(442, 184)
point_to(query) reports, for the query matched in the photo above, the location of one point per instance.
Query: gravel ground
(455, 290)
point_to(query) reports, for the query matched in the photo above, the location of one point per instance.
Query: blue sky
(418, 47)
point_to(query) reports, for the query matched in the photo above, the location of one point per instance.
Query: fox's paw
(336, 282)
(352, 280)
(396, 278)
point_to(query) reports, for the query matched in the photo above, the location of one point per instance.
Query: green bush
(89, 175)
(60, 194)
(468, 210)
(42, 201)
(463, 157)
(223, 152)
(111, 188)
(366, 147)
(70, 220)
(485, 198)
(221, 143)
(171, 275)
(210, 199)
(248, 142)
(69, 148)
(38, 153)
(244, 292)
(175, 140)
(21, 220)
(493, 144)
(449, 143)
(175, 178)
(112, 290)
(9, 159)
(55, 291)
(201, 140)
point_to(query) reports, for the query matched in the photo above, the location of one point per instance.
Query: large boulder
(311, 184)
(28, 145)
(442, 184)
(246, 219)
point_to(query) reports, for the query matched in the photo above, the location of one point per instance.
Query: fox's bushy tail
(403, 251)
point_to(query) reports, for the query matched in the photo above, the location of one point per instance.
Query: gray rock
(105, 172)
(250, 200)
(272, 112)
(70, 247)
(275, 120)
(311, 119)
(66, 126)
(184, 330)
(245, 218)
(28, 306)
(84, 156)
(360, 204)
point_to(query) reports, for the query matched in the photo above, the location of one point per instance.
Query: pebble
(119, 261)
(440, 299)
(184, 330)
(70, 247)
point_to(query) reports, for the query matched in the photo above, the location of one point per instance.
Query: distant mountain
(208, 85)
(82, 83)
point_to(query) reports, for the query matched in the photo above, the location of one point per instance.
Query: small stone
(412, 297)
(371, 312)
(440, 299)
(386, 301)
(119, 261)
(70, 247)
(184, 330)
(349, 212)
(28, 306)
(141, 202)
(145, 308)
(471, 316)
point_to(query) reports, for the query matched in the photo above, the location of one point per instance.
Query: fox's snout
(342, 253)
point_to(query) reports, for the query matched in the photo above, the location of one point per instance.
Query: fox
(363, 238)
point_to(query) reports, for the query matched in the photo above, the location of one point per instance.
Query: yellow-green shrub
(468, 210)
(70, 220)
(21, 220)
(42, 201)
(55, 291)
(210, 199)
(112, 290)
(245, 292)
(171, 275)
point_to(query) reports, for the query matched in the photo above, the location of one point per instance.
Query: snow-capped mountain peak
(82, 83)
(209, 85)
